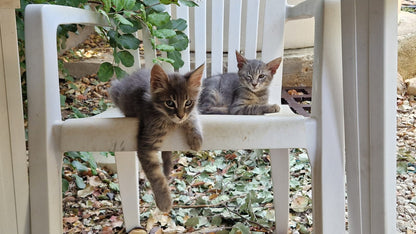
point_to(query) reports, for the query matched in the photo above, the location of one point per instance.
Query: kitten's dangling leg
(151, 167)
(148, 145)
(167, 163)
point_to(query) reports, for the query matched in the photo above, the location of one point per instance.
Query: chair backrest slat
(200, 31)
(149, 53)
(183, 12)
(217, 37)
(274, 20)
(252, 22)
(234, 33)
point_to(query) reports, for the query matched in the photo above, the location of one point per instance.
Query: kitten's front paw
(272, 108)
(163, 200)
(195, 141)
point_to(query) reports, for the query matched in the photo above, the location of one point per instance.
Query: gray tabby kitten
(162, 103)
(242, 93)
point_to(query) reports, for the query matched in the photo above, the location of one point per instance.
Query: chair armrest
(41, 22)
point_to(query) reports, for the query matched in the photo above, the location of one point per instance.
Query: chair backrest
(218, 28)
(276, 12)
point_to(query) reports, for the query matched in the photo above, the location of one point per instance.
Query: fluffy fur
(162, 102)
(242, 93)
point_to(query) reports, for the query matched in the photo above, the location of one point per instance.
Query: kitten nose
(254, 84)
(180, 115)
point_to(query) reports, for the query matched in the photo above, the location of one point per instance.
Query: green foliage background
(125, 18)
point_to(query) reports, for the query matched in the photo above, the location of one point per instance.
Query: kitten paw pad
(195, 142)
(273, 108)
(163, 201)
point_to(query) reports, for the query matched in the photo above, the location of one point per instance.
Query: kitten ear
(195, 77)
(158, 78)
(273, 65)
(240, 60)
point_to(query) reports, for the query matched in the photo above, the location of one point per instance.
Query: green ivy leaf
(127, 29)
(159, 18)
(79, 166)
(78, 181)
(188, 3)
(65, 185)
(119, 4)
(180, 42)
(164, 47)
(112, 35)
(87, 157)
(119, 18)
(192, 222)
(129, 41)
(114, 186)
(83, 156)
(179, 24)
(147, 198)
(77, 113)
(105, 72)
(176, 56)
(164, 33)
(155, 5)
(168, 2)
(216, 220)
(162, 59)
(126, 58)
(72, 154)
(62, 99)
(107, 5)
(402, 167)
(240, 227)
(120, 73)
(129, 4)
(176, 24)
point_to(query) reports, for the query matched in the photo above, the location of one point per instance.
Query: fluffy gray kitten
(162, 102)
(242, 93)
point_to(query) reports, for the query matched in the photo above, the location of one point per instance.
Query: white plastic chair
(321, 134)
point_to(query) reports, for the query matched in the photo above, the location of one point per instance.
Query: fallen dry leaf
(70, 219)
(85, 192)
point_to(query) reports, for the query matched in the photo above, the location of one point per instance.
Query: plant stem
(248, 220)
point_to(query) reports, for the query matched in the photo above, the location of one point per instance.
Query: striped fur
(242, 93)
(162, 103)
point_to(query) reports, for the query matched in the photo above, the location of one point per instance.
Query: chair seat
(111, 131)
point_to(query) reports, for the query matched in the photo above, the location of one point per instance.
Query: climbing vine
(125, 18)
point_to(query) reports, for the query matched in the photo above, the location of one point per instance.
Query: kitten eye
(262, 76)
(188, 102)
(170, 104)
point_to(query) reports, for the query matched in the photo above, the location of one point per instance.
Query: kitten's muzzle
(180, 115)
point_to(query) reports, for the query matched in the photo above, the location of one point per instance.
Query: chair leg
(280, 177)
(128, 179)
(328, 192)
(45, 180)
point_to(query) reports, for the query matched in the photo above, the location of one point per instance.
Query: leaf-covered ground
(213, 191)
(406, 164)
